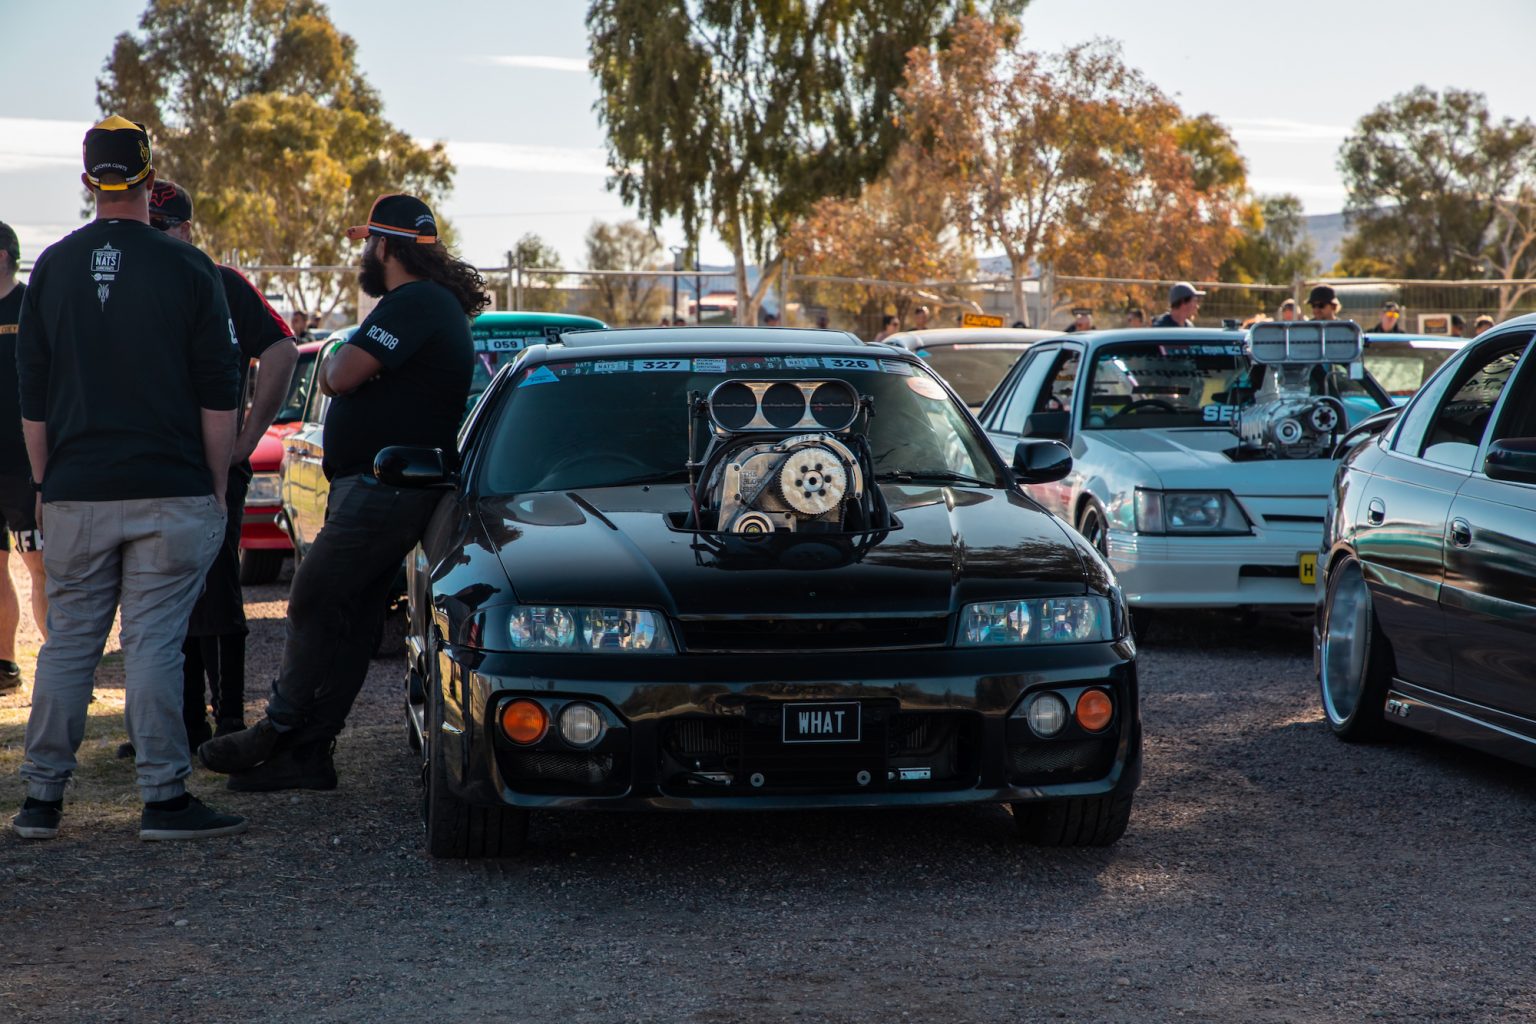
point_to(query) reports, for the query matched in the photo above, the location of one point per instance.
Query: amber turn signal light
(524, 721)
(1094, 710)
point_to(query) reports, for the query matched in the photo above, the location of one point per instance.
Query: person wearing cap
(129, 383)
(1288, 310)
(1391, 321)
(1458, 325)
(1082, 320)
(1481, 324)
(1183, 303)
(401, 379)
(1323, 302)
(17, 497)
(214, 650)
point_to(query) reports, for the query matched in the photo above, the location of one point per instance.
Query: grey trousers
(148, 555)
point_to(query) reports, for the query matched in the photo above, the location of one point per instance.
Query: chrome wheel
(1346, 643)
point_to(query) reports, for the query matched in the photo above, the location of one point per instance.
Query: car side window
(1027, 384)
(1463, 415)
(1063, 384)
(1517, 417)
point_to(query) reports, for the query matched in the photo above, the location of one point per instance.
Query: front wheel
(457, 829)
(1079, 821)
(1356, 658)
(258, 566)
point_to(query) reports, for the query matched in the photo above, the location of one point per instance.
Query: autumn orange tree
(1072, 160)
(898, 236)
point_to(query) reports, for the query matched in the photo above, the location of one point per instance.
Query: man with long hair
(402, 378)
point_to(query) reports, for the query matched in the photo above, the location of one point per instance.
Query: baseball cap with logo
(169, 205)
(1183, 292)
(120, 148)
(400, 216)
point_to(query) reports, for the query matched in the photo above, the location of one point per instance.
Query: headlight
(588, 630)
(264, 490)
(1189, 512)
(1070, 620)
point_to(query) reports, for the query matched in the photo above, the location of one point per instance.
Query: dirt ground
(1270, 873)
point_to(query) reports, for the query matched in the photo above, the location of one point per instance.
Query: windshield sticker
(800, 363)
(926, 388)
(539, 375)
(1200, 350)
(1218, 413)
(610, 366)
(847, 363)
(500, 344)
(661, 366)
(896, 366)
(709, 366)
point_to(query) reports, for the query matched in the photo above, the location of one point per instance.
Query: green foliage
(1272, 246)
(618, 300)
(1426, 173)
(740, 116)
(541, 292)
(258, 108)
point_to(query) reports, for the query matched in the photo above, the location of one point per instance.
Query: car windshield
(603, 422)
(1402, 367)
(297, 399)
(1142, 385)
(972, 370)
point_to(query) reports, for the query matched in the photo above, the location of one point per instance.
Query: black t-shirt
(257, 325)
(13, 447)
(125, 337)
(420, 335)
(1166, 320)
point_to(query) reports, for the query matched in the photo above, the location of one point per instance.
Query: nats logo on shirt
(106, 262)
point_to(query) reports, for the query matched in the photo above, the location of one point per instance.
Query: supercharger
(1290, 417)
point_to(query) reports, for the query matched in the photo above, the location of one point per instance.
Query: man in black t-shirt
(215, 646)
(17, 497)
(129, 383)
(402, 378)
(1183, 303)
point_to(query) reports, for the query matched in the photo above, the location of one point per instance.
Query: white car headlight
(548, 628)
(1164, 512)
(1045, 620)
(265, 489)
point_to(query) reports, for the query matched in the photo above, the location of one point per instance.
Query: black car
(1426, 613)
(690, 569)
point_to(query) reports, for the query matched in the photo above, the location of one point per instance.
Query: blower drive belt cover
(813, 480)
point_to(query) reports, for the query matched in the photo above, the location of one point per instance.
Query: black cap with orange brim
(400, 216)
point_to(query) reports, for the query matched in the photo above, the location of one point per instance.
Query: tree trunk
(744, 314)
(766, 277)
(1017, 266)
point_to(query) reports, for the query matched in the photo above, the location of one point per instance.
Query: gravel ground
(1270, 873)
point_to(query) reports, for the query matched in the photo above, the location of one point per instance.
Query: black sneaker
(302, 766)
(10, 676)
(39, 819)
(225, 726)
(126, 751)
(195, 821)
(241, 751)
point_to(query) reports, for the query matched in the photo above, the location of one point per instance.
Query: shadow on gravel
(1276, 632)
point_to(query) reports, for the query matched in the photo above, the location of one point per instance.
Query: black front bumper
(937, 728)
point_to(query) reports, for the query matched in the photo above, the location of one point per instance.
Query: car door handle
(1375, 512)
(1461, 533)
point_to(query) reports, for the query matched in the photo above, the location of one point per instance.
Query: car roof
(1095, 339)
(733, 337)
(938, 337)
(1443, 341)
(527, 318)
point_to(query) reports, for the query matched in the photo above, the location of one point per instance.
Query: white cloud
(34, 144)
(535, 62)
(1277, 129)
(506, 156)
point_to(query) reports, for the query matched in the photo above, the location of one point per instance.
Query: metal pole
(510, 303)
(698, 293)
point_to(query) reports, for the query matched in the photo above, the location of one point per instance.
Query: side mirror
(1512, 459)
(401, 466)
(1049, 425)
(1041, 462)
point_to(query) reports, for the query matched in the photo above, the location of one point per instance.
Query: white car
(1200, 471)
(970, 359)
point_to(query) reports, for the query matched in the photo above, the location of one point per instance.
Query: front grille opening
(1268, 572)
(1065, 761)
(945, 743)
(562, 772)
(814, 634)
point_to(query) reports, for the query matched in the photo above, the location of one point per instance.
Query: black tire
(260, 566)
(1080, 821)
(1356, 659)
(1093, 524)
(456, 829)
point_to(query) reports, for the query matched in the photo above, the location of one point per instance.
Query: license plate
(827, 722)
(1306, 567)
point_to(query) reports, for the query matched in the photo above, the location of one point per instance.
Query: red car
(263, 541)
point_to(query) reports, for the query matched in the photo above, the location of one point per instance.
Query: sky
(504, 83)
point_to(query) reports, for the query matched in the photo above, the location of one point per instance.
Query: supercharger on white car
(1201, 460)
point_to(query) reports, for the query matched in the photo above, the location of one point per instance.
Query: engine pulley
(813, 480)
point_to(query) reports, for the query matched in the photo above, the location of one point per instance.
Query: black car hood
(620, 547)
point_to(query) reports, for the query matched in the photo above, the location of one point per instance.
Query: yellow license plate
(1306, 567)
